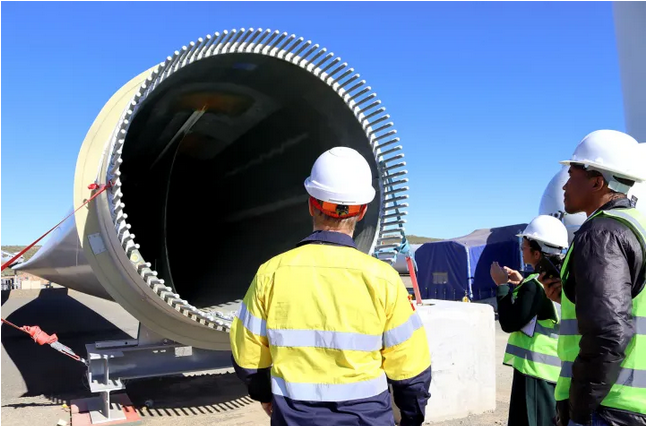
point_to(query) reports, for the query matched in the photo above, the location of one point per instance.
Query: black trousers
(532, 402)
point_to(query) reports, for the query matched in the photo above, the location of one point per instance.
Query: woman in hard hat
(533, 321)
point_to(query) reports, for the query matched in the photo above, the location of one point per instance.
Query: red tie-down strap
(91, 187)
(43, 338)
(35, 332)
(39, 335)
(413, 278)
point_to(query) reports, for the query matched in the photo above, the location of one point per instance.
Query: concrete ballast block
(461, 339)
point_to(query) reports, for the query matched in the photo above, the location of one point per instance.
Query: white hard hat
(548, 232)
(341, 176)
(638, 193)
(552, 204)
(611, 153)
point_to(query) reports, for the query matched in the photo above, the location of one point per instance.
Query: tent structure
(451, 269)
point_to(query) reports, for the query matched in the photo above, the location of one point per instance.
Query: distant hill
(414, 239)
(15, 249)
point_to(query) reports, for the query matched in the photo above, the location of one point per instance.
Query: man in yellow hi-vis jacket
(324, 328)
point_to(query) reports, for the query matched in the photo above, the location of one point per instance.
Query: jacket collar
(328, 237)
(620, 203)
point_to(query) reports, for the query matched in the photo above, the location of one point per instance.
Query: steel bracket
(150, 355)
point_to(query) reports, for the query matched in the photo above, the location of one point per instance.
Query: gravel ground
(37, 382)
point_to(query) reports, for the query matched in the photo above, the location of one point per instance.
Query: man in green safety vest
(533, 321)
(602, 340)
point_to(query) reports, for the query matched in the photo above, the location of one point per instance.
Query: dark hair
(556, 259)
(591, 174)
(533, 244)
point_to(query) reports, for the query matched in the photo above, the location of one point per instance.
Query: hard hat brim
(619, 173)
(533, 237)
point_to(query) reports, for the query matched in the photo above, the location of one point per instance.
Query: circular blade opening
(213, 169)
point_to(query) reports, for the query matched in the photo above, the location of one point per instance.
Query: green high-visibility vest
(629, 391)
(535, 356)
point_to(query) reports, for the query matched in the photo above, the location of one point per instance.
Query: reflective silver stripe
(566, 369)
(324, 339)
(632, 378)
(569, 327)
(633, 221)
(552, 333)
(252, 323)
(533, 356)
(325, 392)
(640, 325)
(403, 332)
(627, 376)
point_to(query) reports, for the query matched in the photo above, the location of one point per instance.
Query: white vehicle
(6, 257)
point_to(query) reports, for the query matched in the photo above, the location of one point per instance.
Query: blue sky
(486, 97)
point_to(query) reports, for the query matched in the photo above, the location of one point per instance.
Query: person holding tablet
(533, 321)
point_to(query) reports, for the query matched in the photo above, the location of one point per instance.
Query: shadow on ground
(5, 295)
(60, 379)
(188, 396)
(45, 371)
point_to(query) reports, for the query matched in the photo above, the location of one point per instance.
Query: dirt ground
(38, 384)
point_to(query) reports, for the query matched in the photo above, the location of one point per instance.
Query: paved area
(37, 382)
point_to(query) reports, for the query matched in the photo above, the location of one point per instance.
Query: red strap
(91, 187)
(413, 278)
(39, 335)
(332, 210)
(35, 332)
(43, 338)
(12, 324)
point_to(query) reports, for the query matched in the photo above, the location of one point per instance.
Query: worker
(324, 328)
(533, 321)
(602, 341)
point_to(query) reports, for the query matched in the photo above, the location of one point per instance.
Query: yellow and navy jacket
(323, 330)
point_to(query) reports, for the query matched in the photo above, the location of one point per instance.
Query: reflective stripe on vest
(402, 333)
(535, 356)
(570, 327)
(324, 339)
(329, 392)
(629, 391)
(254, 324)
(552, 332)
(342, 340)
(627, 376)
